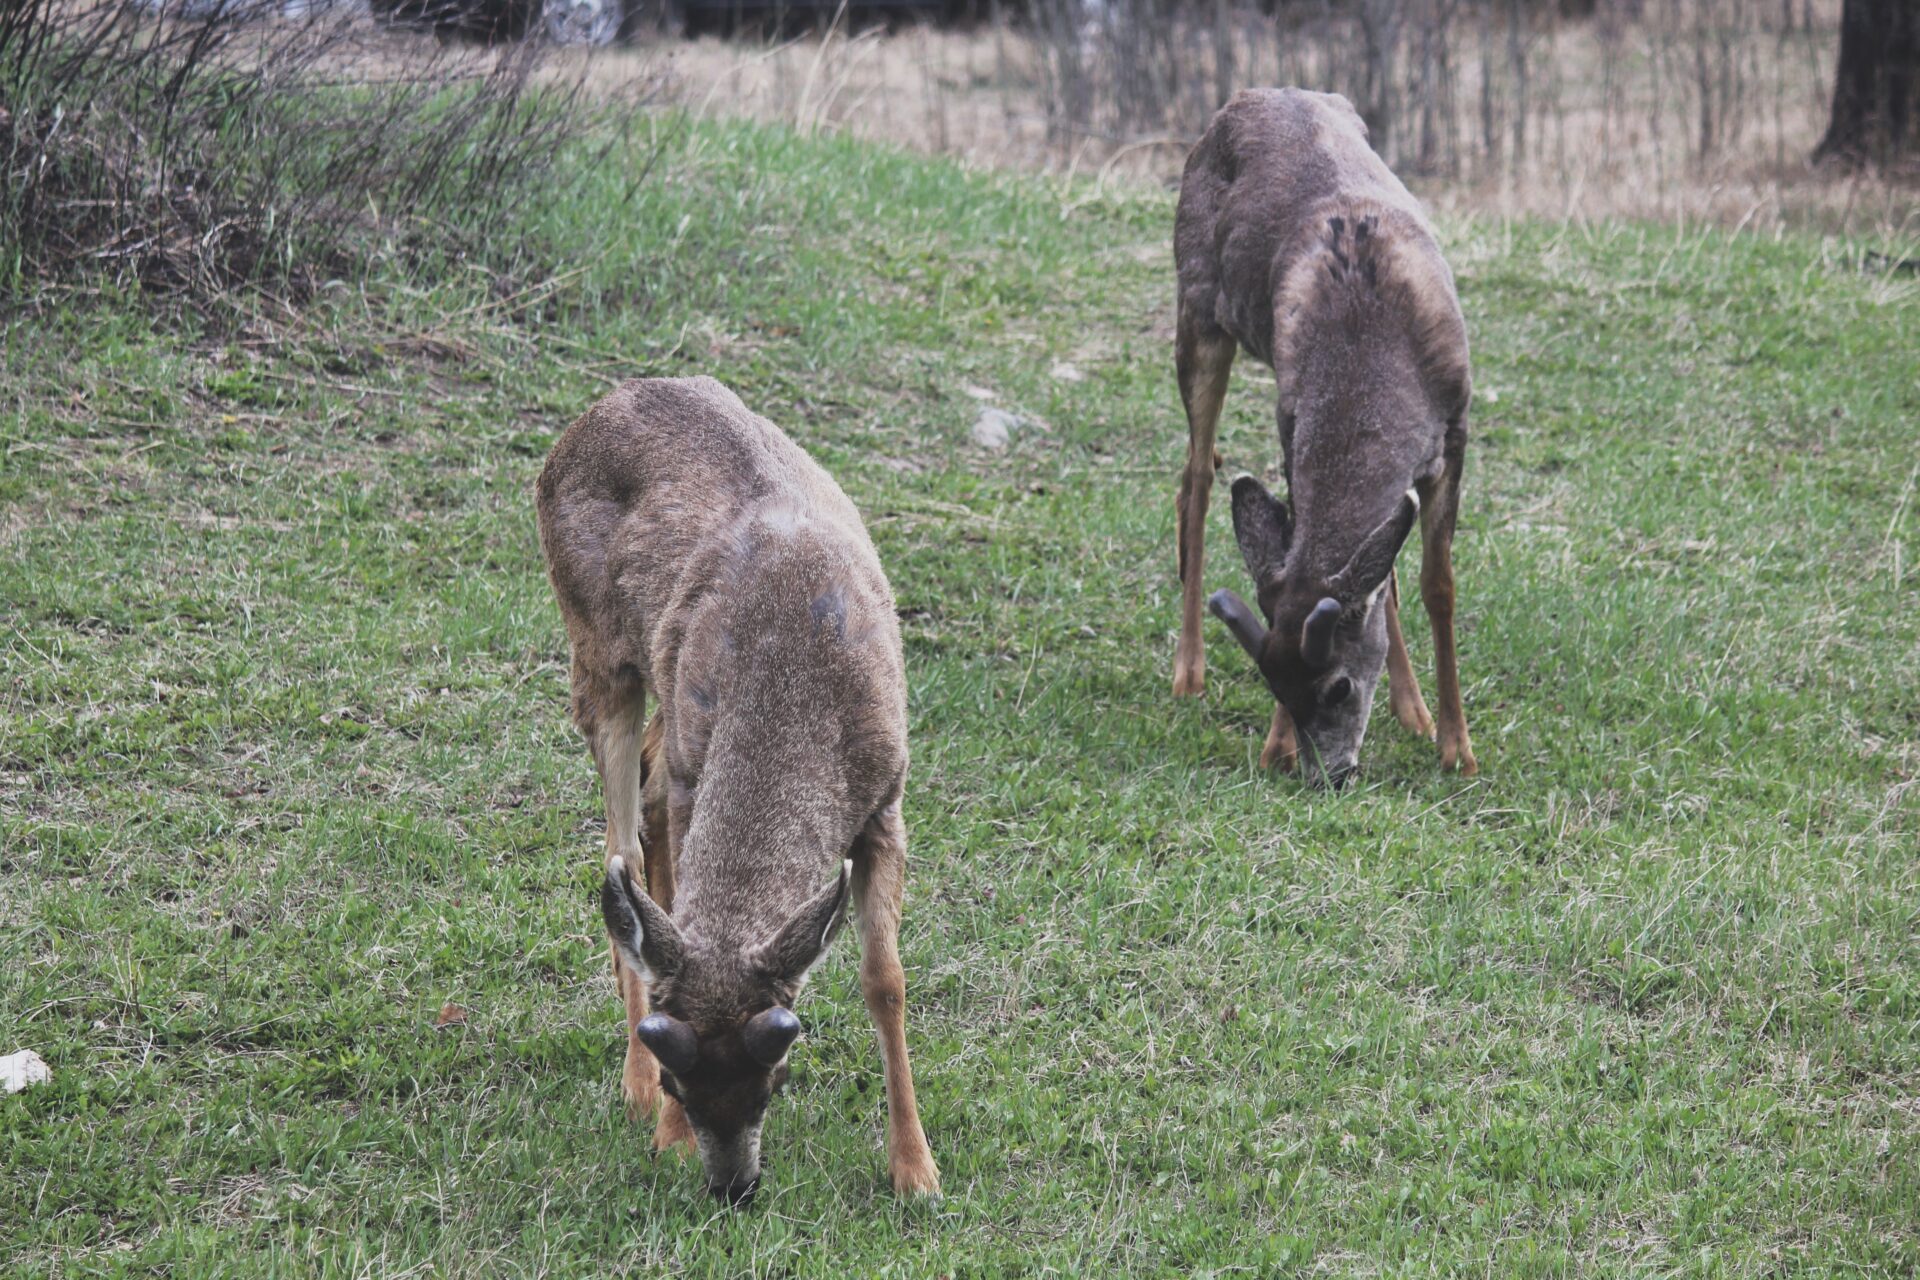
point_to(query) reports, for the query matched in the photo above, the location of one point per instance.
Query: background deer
(698, 553)
(1295, 241)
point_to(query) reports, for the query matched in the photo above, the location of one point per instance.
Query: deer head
(723, 1019)
(1323, 641)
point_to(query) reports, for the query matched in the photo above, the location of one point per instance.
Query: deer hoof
(915, 1175)
(1281, 749)
(673, 1129)
(1189, 680)
(1458, 755)
(1276, 756)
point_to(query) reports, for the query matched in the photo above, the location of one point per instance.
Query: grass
(285, 767)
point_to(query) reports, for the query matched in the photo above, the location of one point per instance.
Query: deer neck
(1359, 442)
(764, 833)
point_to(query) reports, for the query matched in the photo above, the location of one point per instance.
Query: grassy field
(285, 768)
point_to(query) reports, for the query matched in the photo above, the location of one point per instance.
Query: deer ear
(1373, 560)
(642, 932)
(803, 939)
(1263, 527)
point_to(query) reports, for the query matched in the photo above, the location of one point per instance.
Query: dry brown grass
(1663, 119)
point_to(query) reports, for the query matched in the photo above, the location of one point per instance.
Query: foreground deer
(1294, 241)
(698, 553)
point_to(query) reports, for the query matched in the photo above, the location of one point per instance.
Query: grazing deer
(699, 554)
(1294, 241)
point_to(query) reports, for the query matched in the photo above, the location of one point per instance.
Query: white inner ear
(630, 945)
(833, 921)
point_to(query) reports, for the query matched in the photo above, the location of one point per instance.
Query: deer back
(691, 542)
(1294, 237)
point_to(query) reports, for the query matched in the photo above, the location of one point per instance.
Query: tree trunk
(1876, 89)
(1222, 52)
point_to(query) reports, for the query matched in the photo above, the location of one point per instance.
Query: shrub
(220, 146)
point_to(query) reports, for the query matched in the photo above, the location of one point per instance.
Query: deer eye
(1336, 692)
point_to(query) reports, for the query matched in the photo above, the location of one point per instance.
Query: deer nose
(737, 1194)
(1340, 775)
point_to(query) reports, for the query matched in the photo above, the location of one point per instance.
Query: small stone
(18, 1070)
(1063, 371)
(993, 427)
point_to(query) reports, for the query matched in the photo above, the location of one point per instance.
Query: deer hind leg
(611, 714)
(879, 873)
(1403, 691)
(1203, 361)
(1436, 588)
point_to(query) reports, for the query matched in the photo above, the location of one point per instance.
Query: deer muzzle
(732, 1165)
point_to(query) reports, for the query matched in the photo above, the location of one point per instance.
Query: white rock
(18, 1070)
(981, 393)
(992, 428)
(1064, 372)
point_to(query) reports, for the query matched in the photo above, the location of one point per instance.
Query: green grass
(285, 765)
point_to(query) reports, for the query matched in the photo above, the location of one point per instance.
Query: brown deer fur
(699, 555)
(1295, 242)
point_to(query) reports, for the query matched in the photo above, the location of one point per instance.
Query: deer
(1295, 242)
(702, 558)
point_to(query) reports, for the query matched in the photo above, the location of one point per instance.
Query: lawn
(285, 768)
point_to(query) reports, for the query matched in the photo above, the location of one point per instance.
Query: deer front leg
(657, 828)
(879, 872)
(1436, 588)
(1203, 362)
(674, 1129)
(640, 1074)
(1403, 691)
(1282, 748)
(617, 750)
(668, 809)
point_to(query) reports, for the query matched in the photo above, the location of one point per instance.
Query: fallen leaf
(451, 1015)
